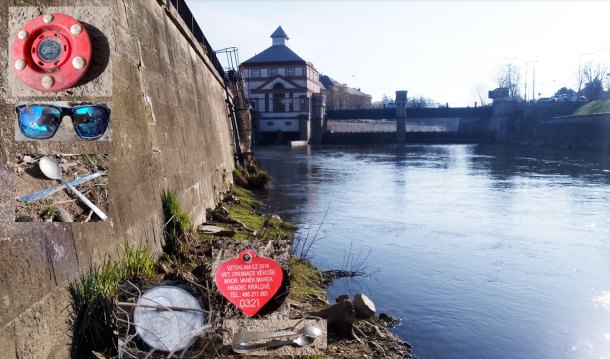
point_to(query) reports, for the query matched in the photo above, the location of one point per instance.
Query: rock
(340, 318)
(63, 215)
(215, 230)
(342, 297)
(365, 308)
(276, 216)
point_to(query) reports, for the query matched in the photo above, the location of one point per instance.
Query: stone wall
(170, 131)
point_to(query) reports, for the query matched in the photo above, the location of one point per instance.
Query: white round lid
(167, 330)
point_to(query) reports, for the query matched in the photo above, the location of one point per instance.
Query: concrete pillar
(304, 121)
(401, 116)
(317, 117)
(304, 127)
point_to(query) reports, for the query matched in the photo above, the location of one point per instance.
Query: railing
(188, 18)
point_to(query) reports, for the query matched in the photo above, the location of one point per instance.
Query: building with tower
(279, 85)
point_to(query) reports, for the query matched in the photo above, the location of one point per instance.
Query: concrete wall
(170, 131)
(522, 124)
(581, 132)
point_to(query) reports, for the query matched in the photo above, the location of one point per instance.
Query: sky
(448, 51)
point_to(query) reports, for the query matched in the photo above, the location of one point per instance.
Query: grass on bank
(594, 108)
(305, 280)
(250, 176)
(93, 294)
(247, 211)
(178, 224)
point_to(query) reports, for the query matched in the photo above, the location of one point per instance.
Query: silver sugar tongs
(245, 338)
(242, 341)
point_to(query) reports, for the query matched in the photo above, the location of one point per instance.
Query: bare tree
(509, 76)
(479, 94)
(591, 72)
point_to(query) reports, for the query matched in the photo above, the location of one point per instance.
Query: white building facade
(279, 86)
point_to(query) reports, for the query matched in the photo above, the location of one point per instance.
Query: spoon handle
(95, 209)
(247, 348)
(245, 337)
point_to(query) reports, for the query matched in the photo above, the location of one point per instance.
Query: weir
(473, 124)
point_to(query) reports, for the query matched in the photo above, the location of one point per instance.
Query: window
(290, 72)
(278, 97)
(273, 72)
(256, 72)
(266, 102)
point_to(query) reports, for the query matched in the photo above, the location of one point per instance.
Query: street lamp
(534, 82)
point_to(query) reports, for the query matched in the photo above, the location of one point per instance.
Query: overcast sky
(438, 49)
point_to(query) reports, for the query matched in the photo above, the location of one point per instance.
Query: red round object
(51, 45)
(249, 281)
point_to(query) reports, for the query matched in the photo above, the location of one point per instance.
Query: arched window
(278, 97)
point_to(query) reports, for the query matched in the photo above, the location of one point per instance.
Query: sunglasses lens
(39, 121)
(90, 121)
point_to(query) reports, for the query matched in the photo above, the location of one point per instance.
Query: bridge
(411, 112)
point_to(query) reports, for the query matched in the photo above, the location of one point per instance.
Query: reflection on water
(483, 251)
(603, 300)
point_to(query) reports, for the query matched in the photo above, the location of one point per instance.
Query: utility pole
(534, 84)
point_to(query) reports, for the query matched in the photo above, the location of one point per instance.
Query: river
(481, 251)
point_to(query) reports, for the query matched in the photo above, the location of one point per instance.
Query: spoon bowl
(310, 331)
(304, 340)
(50, 168)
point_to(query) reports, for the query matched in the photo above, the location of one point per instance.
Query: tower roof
(279, 32)
(278, 51)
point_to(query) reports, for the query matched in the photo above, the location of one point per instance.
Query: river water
(482, 251)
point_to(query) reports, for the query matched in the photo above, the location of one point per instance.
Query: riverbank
(307, 283)
(188, 261)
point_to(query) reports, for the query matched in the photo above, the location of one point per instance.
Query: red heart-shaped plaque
(248, 281)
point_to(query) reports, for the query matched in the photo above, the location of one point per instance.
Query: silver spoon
(301, 341)
(245, 337)
(51, 169)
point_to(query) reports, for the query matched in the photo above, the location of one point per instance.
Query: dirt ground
(63, 205)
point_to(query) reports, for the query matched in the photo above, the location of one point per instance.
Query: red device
(51, 52)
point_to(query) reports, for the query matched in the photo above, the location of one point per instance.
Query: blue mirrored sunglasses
(42, 121)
